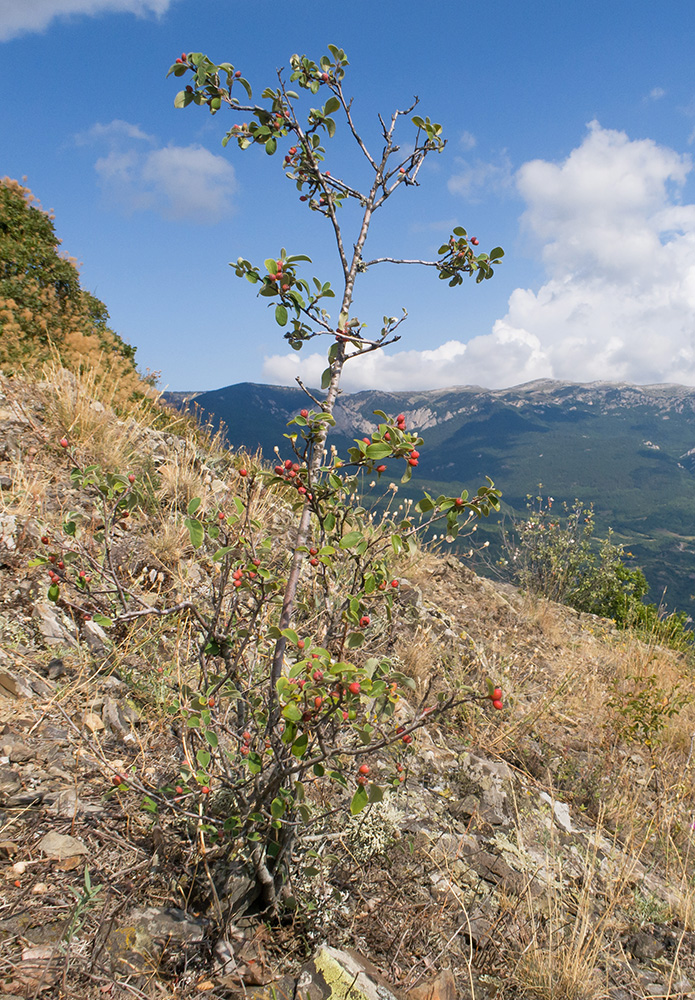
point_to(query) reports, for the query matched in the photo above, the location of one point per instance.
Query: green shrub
(555, 555)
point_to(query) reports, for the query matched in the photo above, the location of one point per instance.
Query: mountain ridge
(628, 449)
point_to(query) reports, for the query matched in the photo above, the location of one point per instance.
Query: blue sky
(571, 131)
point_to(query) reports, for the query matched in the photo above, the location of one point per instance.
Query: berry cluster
(296, 475)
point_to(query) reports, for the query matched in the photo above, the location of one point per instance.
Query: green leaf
(300, 744)
(352, 538)
(378, 450)
(289, 633)
(102, 620)
(211, 738)
(277, 808)
(195, 531)
(376, 793)
(359, 800)
(271, 145)
(221, 553)
(326, 378)
(193, 506)
(183, 99)
(281, 315)
(53, 592)
(355, 639)
(203, 758)
(424, 505)
(407, 474)
(331, 105)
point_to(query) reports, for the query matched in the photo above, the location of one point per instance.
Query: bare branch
(396, 260)
(346, 108)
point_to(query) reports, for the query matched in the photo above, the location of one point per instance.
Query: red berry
(367, 440)
(346, 716)
(45, 539)
(243, 472)
(317, 675)
(361, 780)
(237, 74)
(211, 702)
(131, 478)
(244, 750)
(179, 790)
(256, 562)
(313, 552)
(303, 197)
(318, 701)
(278, 470)
(407, 738)
(402, 170)
(303, 413)
(387, 436)
(364, 621)
(325, 77)
(221, 515)
(475, 241)
(381, 468)
(412, 461)
(497, 703)
(364, 768)
(63, 442)
(189, 89)
(313, 561)
(496, 695)
(394, 583)
(400, 418)
(205, 790)
(117, 779)
(288, 463)
(61, 564)
(414, 453)
(458, 502)
(354, 688)
(300, 644)
(184, 57)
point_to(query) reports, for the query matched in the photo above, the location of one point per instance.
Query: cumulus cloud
(19, 17)
(177, 182)
(618, 299)
(657, 93)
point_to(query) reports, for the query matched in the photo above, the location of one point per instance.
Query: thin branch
(346, 108)
(396, 260)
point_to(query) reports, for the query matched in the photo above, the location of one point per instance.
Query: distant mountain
(629, 449)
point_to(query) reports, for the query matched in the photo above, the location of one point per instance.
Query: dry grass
(82, 408)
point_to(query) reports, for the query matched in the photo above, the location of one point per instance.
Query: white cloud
(467, 140)
(618, 300)
(18, 17)
(474, 180)
(657, 93)
(176, 182)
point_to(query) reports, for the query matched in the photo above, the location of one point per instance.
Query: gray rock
(68, 804)
(644, 947)
(487, 782)
(96, 638)
(10, 782)
(54, 626)
(61, 846)
(12, 684)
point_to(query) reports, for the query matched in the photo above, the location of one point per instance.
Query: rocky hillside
(627, 449)
(544, 850)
